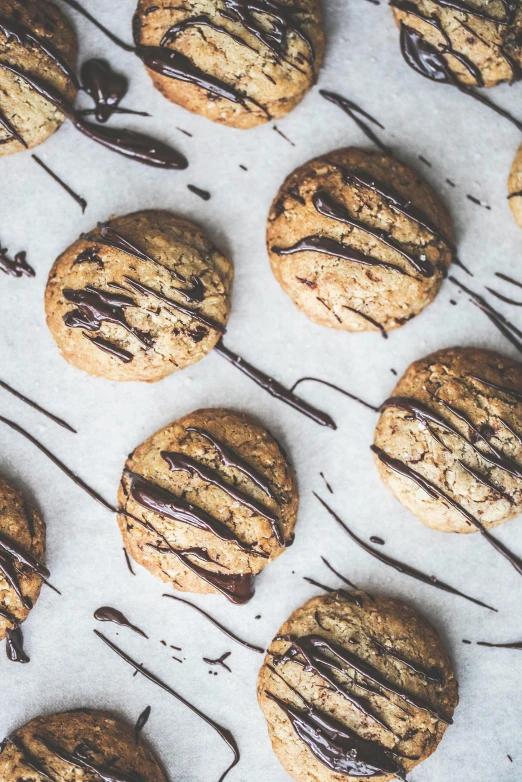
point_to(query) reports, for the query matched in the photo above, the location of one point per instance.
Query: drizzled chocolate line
(336, 388)
(114, 38)
(148, 291)
(274, 387)
(203, 194)
(506, 299)
(15, 551)
(37, 407)
(401, 567)
(109, 347)
(141, 722)
(106, 87)
(128, 561)
(179, 461)
(508, 279)
(510, 9)
(515, 645)
(10, 574)
(434, 674)
(510, 391)
(223, 733)
(435, 493)
(109, 614)
(224, 630)
(17, 267)
(15, 646)
(355, 599)
(220, 661)
(379, 326)
(200, 21)
(80, 759)
(79, 200)
(28, 758)
(515, 195)
(352, 109)
(339, 575)
(4, 122)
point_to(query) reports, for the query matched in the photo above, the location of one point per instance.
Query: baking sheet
(69, 666)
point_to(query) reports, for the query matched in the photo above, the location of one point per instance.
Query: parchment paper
(69, 666)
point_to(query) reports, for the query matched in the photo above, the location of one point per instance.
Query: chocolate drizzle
(108, 614)
(79, 200)
(28, 758)
(515, 645)
(274, 388)
(80, 758)
(141, 722)
(336, 388)
(224, 630)
(37, 407)
(109, 347)
(401, 567)
(224, 734)
(352, 109)
(146, 290)
(15, 646)
(219, 661)
(104, 86)
(17, 267)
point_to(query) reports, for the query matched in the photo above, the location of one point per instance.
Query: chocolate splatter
(280, 132)
(16, 267)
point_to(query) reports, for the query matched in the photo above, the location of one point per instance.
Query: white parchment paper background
(69, 666)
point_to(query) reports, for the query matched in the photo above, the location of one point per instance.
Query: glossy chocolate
(108, 614)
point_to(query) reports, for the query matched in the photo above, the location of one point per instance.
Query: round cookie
(359, 241)
(354, 687)
(448, 442)
(515, 187)
(208, 501)
(236, 62)
(36, 38)
(139, 298)
(77, 745)
(481, 39)
(22, 548)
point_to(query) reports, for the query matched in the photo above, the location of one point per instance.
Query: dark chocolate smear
(36, 406)
(16, 267)
(80, 758)
(79, 200)
(141, 722)
(15, 646)
(108, 614)
(106, 87)
(353, 110)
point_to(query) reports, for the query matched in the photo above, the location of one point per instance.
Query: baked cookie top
(358, 240)
(138, 298)
(355, 686)
(207, 502)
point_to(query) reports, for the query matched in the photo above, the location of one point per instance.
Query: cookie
(207, 502)
(22, 548)
(481, 40)
(236, 62)
(139, 298)
(448, 442)
(83, 744)
(354, 687)
(359, 241)
(36, 38)
(515, 187)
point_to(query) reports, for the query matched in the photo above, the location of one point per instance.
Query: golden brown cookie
(208, 501)
(139, 298)
(76, 746)
(515, 187)
(36, 38)
(448, 443)
(480, 39)
(22, 548)
(354, 687)
(358, 240)
(236, 62)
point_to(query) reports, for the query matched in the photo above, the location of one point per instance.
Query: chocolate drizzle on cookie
(81, 757)
(109, 614)
(14, 560)
(327, 246)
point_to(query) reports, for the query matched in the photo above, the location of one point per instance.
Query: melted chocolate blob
(15, 646)
(18, 267)
(104, 86)
(141, 722)
(220, 661)
(225, 734)
(108, 614)
(353, 110)
(37, 407)
(79, 200)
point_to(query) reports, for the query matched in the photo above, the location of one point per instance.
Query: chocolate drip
(15, 646)
(4, 123)
(435, 493)
(224, 734)
(434, 674)
(352, 109)
(141, 722)
(79, 200)
(325, 205)
(334, 745)
(114, 38)
(96, 307)
(104, 86)
(17, 267)
(159, 500)
(510, 391)
(220, 661)
(343, 578)
(430, 63)
(203, 194)
(78, 481)
(336, 388)
(109, 347)
(80, 759)
(224, 630)
(401, 567)
(140, 287)
(37, 407)
(510, 332)
(15, 551)
(15, 31)
(90, 255)
(327, 246)
(274, 388)
(179, 461)
(515, 645)
(11, 576)
(108, 614)
(127, 560)
(508, 279)
(379, 326)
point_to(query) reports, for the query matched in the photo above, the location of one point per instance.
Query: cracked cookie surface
(237, 62)
(37, 39)
(359, 241)
(76, 746)
(215, 487)
(355, 686)
(139, 298)
(454, 419)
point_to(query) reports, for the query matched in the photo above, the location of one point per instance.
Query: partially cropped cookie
(83, 744)
(354, 687)
(22, 548)
(480, 40)
(207, 502)
(515, 187)
(233, 61)
(36, 38)
(449, 441)
(139, 297)
(359, 241)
